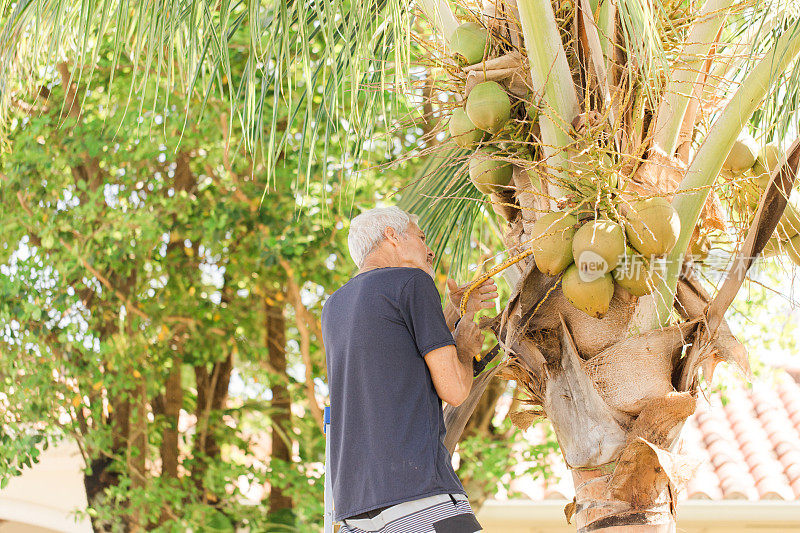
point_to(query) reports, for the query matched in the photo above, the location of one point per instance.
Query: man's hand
(469, 339)
(483, 297)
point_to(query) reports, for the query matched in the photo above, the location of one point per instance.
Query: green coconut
(590, 295)
(552, 242)
(742, 156)
(487, 173)
(700, 248)
(598, 246)
(462, 130)
(766, 163)
(789, 224)
(653, 226)
(488, 106)
(632, 274)
(468, 42)
(595, 167)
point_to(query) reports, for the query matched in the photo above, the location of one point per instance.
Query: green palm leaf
(448, 206)
(313, 58)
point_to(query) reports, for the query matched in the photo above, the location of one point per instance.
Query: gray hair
(366, 230)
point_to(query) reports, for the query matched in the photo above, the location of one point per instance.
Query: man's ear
(391, 236)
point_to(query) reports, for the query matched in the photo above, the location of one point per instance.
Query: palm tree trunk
(594, 511)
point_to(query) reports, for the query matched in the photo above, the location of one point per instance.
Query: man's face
(413, 250)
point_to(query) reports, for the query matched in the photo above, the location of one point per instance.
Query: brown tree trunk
(173, 402)
(304, 321)
(212, 391)
(103, 472)
(280, 504)
(219, 395)
(137, 450)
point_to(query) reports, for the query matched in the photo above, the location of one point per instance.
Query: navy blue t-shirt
(387, 428)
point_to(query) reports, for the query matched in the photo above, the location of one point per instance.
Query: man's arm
(451, 366)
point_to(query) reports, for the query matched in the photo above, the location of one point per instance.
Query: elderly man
(392, 359)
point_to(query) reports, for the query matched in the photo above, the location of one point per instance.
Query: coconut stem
(695, 186)
(681, 86)
(552, 79)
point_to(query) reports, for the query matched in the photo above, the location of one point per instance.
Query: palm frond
(448, 205)
(643, 42)
(312, 58)
(752, 32)
(694, 188)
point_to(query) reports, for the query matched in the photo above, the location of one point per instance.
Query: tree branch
(302, 316)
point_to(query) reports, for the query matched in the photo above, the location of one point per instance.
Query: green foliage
(18, 451)
(448, 206)
(287, 73)
(133, 243)
(486, 465)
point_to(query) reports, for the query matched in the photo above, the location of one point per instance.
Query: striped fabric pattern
(419, 521)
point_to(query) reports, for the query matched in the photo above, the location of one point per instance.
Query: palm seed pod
(593, 297)
(598, 246)
(767, 161)
(486, 173)
(632, 274)
(742, 156)
(468, 42)
(653, 226)
(462, 130)
(488, 106)
(552, 242)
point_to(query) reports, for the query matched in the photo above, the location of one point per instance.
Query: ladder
(328, 490)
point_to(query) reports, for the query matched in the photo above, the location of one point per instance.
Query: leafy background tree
(145, 279)
(163, 313)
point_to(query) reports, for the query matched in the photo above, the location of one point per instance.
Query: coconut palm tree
(596, 134)
(588, 116)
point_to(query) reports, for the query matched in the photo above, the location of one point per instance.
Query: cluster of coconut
(596, 254)
(752, 167)
(593, 254)
(486, 111)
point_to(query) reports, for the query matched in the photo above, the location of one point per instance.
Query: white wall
(694, 516)
(44, 497)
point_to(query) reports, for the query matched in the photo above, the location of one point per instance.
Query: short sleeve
(422, 311)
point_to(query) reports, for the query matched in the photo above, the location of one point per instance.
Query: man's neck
(372, 263)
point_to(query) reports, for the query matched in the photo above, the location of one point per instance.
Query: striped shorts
(442, 513)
